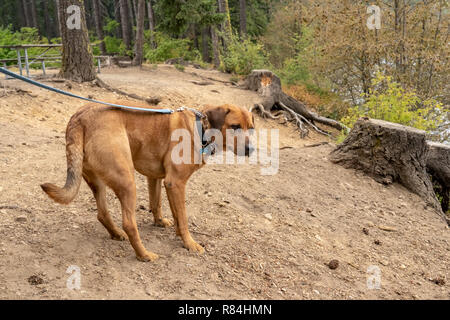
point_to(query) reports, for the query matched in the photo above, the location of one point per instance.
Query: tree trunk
(138, 58)
(90, 22)
(77, 59)
(131, 14)
(20, 11)
(34, 19)
(268, 85)
(26, 13)
(225, 27)
(135, 12)
(58, 18)
(205, 44)
(438, 166)
(243, 18)
(151, 23)
(215, 45)
(47, 23)
(389, 153)
(125, 22)
(118, 18)
(99, 24)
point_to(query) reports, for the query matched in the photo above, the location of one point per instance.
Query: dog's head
(236, 125)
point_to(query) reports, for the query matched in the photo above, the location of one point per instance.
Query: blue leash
(41, 85)
(206, 149)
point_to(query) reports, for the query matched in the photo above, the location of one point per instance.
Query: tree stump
(389, 153)
(268, 85)
(438, 165)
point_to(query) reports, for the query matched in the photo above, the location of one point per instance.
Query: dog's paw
(164, 223)
(147, 256)
(194, 247)
(119, 236)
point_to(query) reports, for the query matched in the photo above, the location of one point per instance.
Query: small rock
(377, 242)
(21, 219)
(268, 216)
(333, 264)
(387, 228)
(35, 280)
(438, 281)
(365, 231)
(308, 210)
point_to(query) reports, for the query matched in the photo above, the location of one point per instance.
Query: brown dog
(105, 145)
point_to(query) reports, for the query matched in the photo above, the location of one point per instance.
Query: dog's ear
(216, 117)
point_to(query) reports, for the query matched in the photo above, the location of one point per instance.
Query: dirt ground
(266, 237)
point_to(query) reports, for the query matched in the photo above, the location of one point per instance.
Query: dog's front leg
(176, 189)
(154, 192)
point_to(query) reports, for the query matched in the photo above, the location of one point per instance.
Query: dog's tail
(74, 154)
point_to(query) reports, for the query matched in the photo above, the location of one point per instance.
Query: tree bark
(118, 18)
(34, 19)
(20, 11)
(47, 23)
(132, 14)
(138, 58)
(205, 44)
(243, 18)
(151, 23)
(215, 45)
(225, 26)
(58, 18)
(389, 153)
(125, 23)
(99, 24)
(77, 59)
(26, 13)
(438, 166)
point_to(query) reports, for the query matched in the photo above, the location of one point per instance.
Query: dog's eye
(235, 126)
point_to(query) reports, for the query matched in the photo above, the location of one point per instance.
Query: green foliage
(243, 56)
(111, 26)
(114, 45)
(390, 102)
(175, 16)
(179, 67)
(168, 48)
(25, 35)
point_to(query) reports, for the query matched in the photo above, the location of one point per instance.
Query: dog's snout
(249, 150)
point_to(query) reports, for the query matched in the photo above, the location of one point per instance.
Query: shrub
(390, 102)
(114, 45)
(168, 48)
(243, 56)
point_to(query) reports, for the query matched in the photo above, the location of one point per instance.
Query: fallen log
(389, 153)
(150, 100)
(268, 85)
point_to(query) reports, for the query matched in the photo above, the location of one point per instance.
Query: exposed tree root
(151, 100)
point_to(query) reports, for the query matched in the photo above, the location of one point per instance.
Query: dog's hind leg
(154, 191)
(99, 190)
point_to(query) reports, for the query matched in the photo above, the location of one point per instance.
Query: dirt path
(267, 237)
